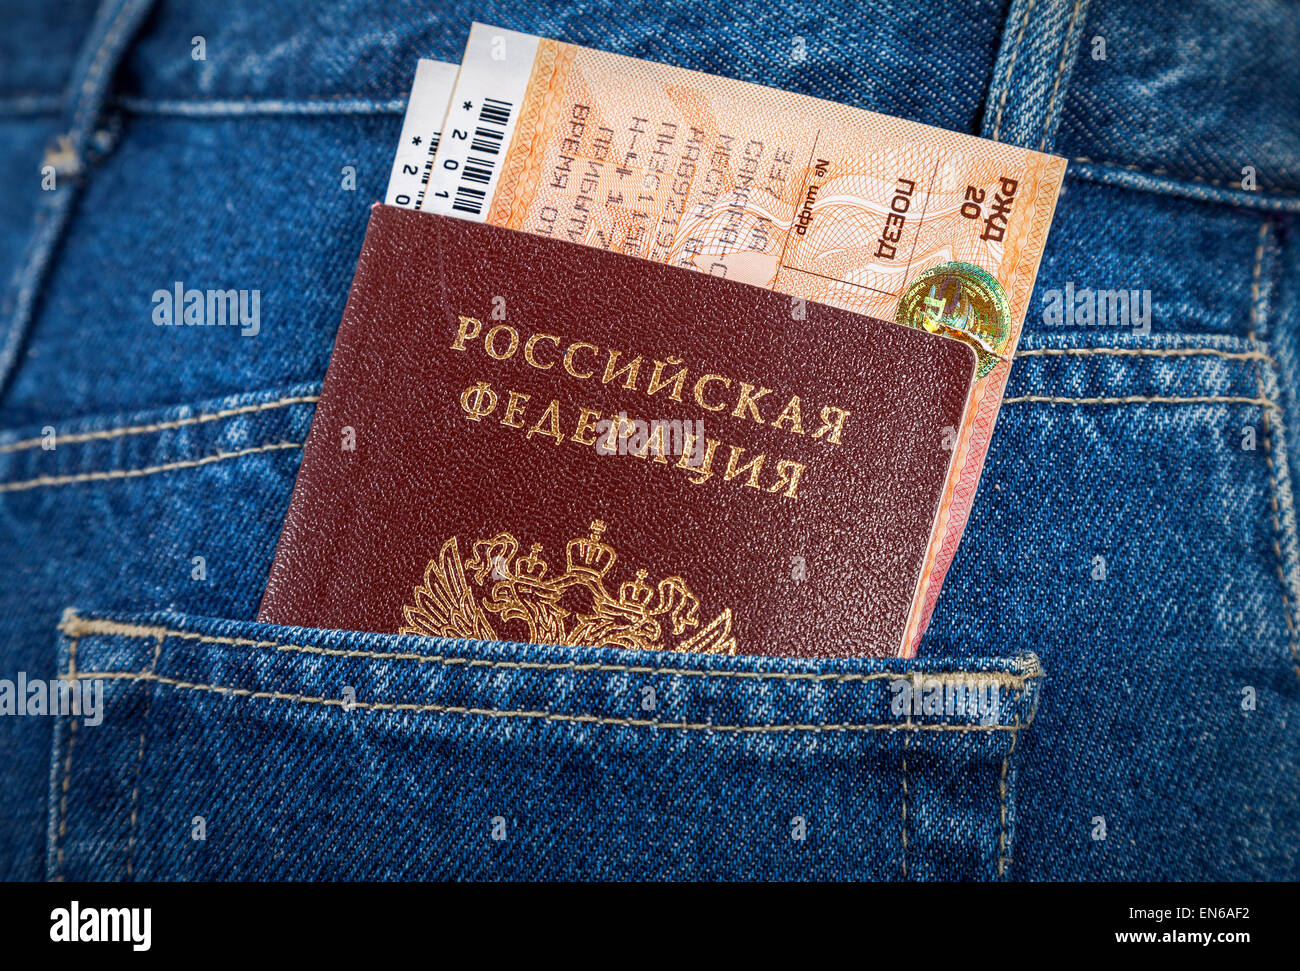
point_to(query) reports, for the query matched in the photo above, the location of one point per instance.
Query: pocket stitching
(1143, 352)
(1004, 854)
(67, 769)
(1275, 473)
(1261, 402)
(903, 854)
(75, 626)
(162, 426)
(413, 707)
(58, 480)
(139, 768)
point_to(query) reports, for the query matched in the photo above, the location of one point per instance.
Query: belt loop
(111, 32)
(1040, 44)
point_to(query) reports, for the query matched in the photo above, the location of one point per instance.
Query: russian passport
(646, 357)
(524, 438)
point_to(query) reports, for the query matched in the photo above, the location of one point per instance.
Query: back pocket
(223, 749)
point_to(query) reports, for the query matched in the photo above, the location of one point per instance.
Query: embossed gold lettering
(748, 400)
(699, 467)
(631, 369)
(552, 413)
(514, 410)
(479, 401)
(754, 466)
(789, 473)
(489, 342)
(678, 380)
(572, 352)
(469, 329)
(833, 420)
(585, 433)
(528, 350)
(703, 383)
(793, 414)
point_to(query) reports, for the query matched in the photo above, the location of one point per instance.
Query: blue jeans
(1127, 592)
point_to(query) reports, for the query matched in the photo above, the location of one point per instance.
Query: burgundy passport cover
(526, 439)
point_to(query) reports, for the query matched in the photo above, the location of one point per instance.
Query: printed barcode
(428, 169)
(493, 117)
(468, 200)
(495, 112)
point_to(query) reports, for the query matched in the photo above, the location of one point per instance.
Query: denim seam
(1166, 173)
(259, 98)
(1004, 852)
(1138, 179)
(40, 102)
(105, 434)
(1060, 73)
(139, 767)
(341, 105)
(20, 104)
(51, 217)
(46, 481)
(76, 626)
(906, 739)
(346, 104)
(106, 48)
(162, 425)
(1136, 352)
(250, 105)
(534, 715)
(1174, 340)
(29, 270)
(1266, 403)
(1011, 63)
(67, 770)
(58, 480)
(1279, 492)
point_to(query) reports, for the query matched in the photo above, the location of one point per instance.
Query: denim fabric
(481, 761)
(1130, 576)
(1196, 90)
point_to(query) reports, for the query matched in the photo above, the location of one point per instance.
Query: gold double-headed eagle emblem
(573, 608)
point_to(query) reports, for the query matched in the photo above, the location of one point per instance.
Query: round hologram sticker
(962, 301)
